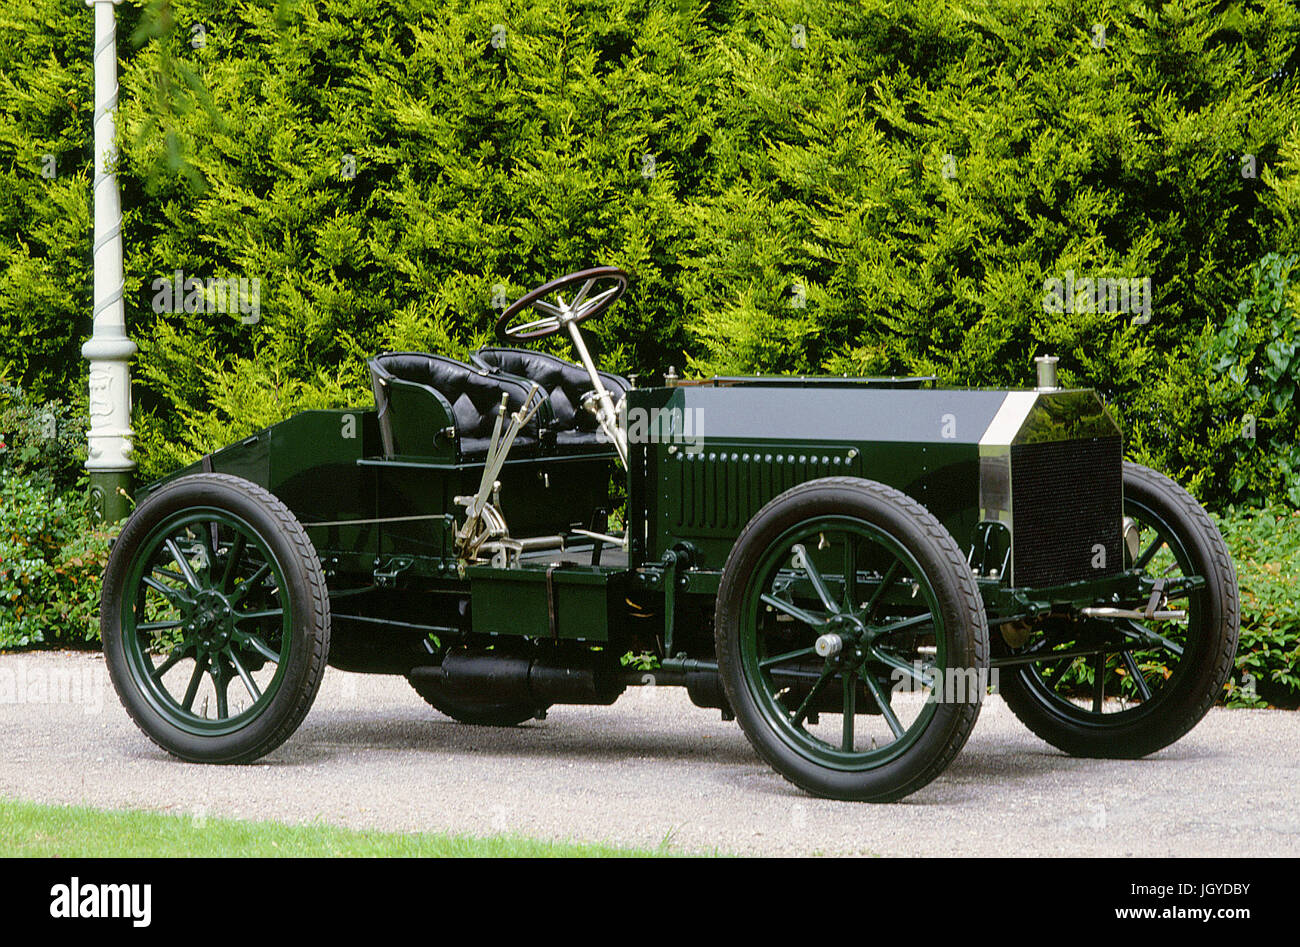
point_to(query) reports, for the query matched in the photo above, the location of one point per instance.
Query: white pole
(109, 350)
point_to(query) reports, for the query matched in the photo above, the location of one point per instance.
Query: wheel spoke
(248, 616)
(917, 674)
(850, 572)
(581, 294)
(1098, 681)
(798, 717)
(804, 561)
(221, 683)
(850, 710)
(171, 594)
(550, 322)
(232, 561)
(886, 581)
(1059, 668)
(905, 624)
(1144, 634)
(241, 591)
(1141, 561)
(592, 303)
(152, 626)
(214, 543)
(200, 666)
(886, 710)
(168, 574)
(788, 656)
(262, 648)
(184, 563)
(794, 611)
(1136, 673)
(247, 678)
(174, 658)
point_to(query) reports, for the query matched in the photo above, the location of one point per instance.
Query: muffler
(507, 679)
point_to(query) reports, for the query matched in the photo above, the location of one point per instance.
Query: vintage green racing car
(846, 566)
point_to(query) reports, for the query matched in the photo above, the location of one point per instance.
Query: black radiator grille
(1066, 500)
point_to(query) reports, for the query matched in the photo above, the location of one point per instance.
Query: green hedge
(796, 186)
(1265, 547)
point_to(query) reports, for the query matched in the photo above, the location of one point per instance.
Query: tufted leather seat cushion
(473, 393)
(564, 384)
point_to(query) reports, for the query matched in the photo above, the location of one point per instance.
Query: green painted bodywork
(704, 459)
(587, 601)
(700, 481)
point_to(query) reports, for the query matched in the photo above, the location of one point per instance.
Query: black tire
(290, 650)
(1198, 678)
(484, 714)
(932, 555)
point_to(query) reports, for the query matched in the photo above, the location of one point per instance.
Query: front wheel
(1145, 683)
(215, 619)
(851, 640)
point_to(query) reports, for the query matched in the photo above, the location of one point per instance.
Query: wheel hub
(845, 639)
(211, 621)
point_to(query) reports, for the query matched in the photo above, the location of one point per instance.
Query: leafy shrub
(51, 562)
(1255, 360)
(1265, 545)
(43, 441)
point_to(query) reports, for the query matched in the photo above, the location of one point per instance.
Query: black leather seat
(564, 384)
(470, 394)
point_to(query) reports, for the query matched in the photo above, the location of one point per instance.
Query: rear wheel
(851, 640)
(215, 619)
(1123, 688)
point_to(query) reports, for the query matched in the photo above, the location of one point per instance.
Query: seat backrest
(472, 394)
(563, 383)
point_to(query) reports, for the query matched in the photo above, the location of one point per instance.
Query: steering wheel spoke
(543, 306)
(595, 302)
(528, 329)
(581, 294)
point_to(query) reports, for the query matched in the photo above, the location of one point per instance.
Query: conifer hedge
(796, 185)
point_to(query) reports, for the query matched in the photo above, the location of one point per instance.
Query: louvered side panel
(715, 492)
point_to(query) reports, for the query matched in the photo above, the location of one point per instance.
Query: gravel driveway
(650, 768)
